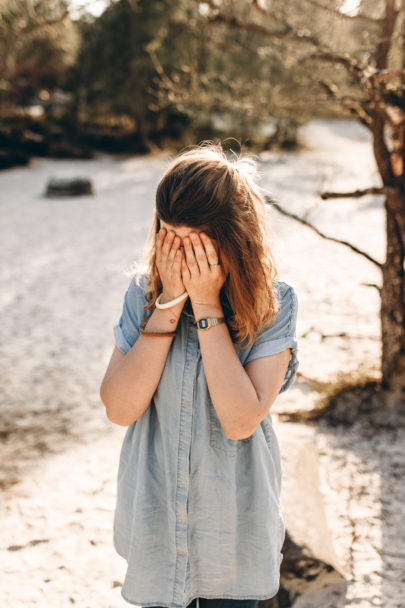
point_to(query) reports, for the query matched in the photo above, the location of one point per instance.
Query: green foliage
(114, 72)
(36, 44)
(152, 61)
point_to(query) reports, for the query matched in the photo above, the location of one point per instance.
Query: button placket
(183, 466)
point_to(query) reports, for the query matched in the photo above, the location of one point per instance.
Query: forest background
(141, 74)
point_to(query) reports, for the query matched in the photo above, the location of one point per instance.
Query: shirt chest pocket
(219, 440)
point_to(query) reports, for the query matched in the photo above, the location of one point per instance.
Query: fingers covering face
(160, 236)
(200, 252)
(167, 244)
(173, 250)
(189, 256)
(196, 257)
(210, 250)
(177, 259)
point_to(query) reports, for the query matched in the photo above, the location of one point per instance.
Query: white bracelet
(172, 302)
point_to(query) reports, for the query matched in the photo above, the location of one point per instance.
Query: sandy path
(62, 290)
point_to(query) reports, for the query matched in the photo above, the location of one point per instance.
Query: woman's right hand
(169, 257)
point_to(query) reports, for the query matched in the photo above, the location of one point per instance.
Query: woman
(205, 343)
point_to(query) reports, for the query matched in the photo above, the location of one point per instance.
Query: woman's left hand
(202, 273)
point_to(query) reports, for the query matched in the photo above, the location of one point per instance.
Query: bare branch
(249, 26)
(386, 74)
(160, 71)
(355, 194)
(286, 30)
(320, 233)
(374, 285)
(351, 105)
(354, 67)
(359, 16)
(347, 61)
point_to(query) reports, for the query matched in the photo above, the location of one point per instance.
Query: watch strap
(207, 322)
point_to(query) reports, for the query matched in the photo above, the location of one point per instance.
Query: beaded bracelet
(158, 333)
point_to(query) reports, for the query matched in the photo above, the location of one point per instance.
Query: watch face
(203, 323)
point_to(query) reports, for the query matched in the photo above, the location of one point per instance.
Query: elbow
(116, 419)
(246, 428)
(241, 433)
(105, 398)
(114, 413)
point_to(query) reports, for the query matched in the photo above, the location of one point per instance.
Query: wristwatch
(208, 322)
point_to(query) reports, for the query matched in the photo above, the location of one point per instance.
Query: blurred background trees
(144, 73)
(36, 43)
(156, 72)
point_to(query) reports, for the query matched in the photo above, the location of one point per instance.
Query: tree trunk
(393, 296)
(142, 132)
(285, 135)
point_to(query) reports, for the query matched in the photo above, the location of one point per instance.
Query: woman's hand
(169, 256)
(202, 273)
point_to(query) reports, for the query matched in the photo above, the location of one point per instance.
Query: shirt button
(183, 484)
(182, 519)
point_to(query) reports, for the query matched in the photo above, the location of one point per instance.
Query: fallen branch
(275, 205)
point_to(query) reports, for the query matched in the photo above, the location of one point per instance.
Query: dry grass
(355, 398)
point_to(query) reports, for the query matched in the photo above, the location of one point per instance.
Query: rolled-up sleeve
(126, 331)
(281, 335)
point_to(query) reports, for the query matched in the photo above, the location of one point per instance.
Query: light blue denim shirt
(198, 514)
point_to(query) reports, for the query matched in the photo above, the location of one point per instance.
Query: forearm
(232, 392)
(129, 388)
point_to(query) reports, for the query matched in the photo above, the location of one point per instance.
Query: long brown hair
(203, 187)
